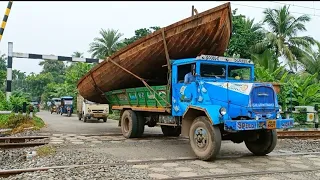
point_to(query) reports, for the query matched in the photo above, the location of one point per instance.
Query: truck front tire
(264, 144)
(171, 131)
(205, 139)
(105, 119)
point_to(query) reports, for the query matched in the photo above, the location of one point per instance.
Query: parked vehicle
(66, 105)
(87, 109)
(222, 102)
(55, 105)
(35, 105)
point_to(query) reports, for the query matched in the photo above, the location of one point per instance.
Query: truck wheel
(171, 130)
(79, 116)
(205, 139)
(129, 124)
(141, 124)
(84, 119)
(265, 143)
(105, 119)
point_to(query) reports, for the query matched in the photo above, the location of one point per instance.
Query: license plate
(271, 124)
(98, 115)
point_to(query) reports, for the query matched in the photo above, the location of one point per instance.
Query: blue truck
(209, 99)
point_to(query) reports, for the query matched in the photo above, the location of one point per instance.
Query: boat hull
(208, 32)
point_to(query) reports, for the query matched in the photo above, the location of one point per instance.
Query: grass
(46, 150)
(18, 122)
(3, 119)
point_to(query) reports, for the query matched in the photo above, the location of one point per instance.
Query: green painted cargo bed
(140, 97)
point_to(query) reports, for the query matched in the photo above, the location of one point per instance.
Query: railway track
(299, 134)
(20, 142)
(30, 141)
(10, 172)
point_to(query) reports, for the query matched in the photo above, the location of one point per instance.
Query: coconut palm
(283, 35)
(311, 60)
(77, 54)
(107, 44)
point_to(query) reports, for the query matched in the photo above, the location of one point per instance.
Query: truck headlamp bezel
(223, 111)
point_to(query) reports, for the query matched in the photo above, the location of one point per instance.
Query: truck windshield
(68, 102)
(239, 73)
(89, 102)
(213, 70)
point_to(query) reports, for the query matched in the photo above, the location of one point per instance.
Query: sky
(62, 27)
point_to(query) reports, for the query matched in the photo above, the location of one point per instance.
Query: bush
(17, 120)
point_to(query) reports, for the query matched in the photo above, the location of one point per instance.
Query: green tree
(55, 68)
(107, 44)
(36, 83)
(77, 54)
(245, 33)
(282, 38)
(139, 33)
(3, 71)
(311, 60)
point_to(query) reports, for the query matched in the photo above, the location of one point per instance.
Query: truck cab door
(183, 94)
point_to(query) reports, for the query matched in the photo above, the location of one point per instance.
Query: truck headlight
(223, 111)
(89, 110)
(257, 117)
(278, 115)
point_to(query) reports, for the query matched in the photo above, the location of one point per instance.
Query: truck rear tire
(129, 124)
(205, 139)
(265, 143)
(84, 119)
(141, 124)
(171, 130)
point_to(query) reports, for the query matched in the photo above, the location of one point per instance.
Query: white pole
(9, 70)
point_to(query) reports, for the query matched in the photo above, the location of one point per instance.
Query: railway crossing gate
(12, 55)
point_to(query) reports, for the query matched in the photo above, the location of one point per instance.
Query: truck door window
(213, 70)
(182, 71)
(239, 73)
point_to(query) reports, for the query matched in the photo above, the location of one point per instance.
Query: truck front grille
(97, 111)
(263, 99)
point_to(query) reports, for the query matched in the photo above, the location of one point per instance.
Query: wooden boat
(208, 32)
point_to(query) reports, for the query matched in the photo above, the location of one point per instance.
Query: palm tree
(107, 44)
(311, 60)
(77, 54)
(282, 38)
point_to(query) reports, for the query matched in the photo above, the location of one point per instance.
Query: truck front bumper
(97, 115)
(243, 125)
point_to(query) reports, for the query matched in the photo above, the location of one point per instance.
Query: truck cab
(87, 110)
(222, 102)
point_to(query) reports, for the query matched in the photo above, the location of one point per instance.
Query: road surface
(56, 123)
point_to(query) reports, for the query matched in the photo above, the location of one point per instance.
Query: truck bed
(141, 98)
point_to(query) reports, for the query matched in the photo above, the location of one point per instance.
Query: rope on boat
(141, 79)
(95, 85)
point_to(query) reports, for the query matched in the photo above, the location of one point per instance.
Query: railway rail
(10, 172)
(25, 141)
(299, 134)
